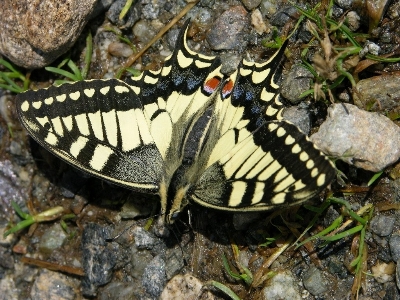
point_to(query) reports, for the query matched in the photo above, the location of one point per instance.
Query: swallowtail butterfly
(134, 133)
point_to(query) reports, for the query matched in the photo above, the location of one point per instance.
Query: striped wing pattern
(256, 160)
(134, 134)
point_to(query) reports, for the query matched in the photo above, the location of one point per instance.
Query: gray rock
(283, 16)
(154, 277)
(382, 225)
(315, 282)
(378, 93)
(33, 34)
(251, 4)
(299, 117)
(140, 260)
(119, 290)
(143, 31)
(228, 31)
(54, 285)
(230, 62)
(269, 7)
(281, 286)
(98, 258)
(131, 17)
(143, 238)
(52, 239)
(296, 82)
(394, 245)
(366, 140)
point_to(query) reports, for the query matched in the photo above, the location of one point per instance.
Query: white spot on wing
(321, 180)
(83, 124)
(51, 139)
(61, 98)
(57, 125)
(89, 92)
(77, 146)
(121, 89)
(97, 127)
(183, 61)
(68, 122)
(75, 95)
(238, 191)
(105, 90)
(48, 101)
(37, 104)
(110, 125)
(100, 157)
(258, 193)
(25, 106)
(129, 130)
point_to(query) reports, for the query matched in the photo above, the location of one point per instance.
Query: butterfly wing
(97, 126)
(257, 161)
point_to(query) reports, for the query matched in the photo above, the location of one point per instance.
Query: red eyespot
(227, 89)
(211, 85)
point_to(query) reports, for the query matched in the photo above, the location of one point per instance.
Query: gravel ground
(108, 251)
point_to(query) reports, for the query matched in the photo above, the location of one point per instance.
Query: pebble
(119, 49)
(383, 272)
(281, 286)
(382, 225)
(283, 16)
(143, 31)
(251, 4)
(295, 83)
(98, 258)
(368, 93)
(366, 140)
(269, 7)
(118, 291)
(54, 285)
(315, 282)
(299, 117)
(154, 277)
(8, 288)
(34, 35)
(353, 20)
(143, 238)
(139, 260)
(394, 245)
(229, 37)
(52, 239)
(131, 17)
(185, 287)
(257, 21)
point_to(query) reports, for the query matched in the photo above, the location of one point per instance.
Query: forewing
(97, 126)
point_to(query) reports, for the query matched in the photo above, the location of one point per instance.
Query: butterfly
(136, 133)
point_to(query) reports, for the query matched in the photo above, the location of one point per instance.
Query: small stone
(119, 49)
(54, 285)
(382, 225)
(34, 35)
(258, 22)
(140, 260)
(269, 7)
(154, 277)
(143, 31)
(52, 239)
(383, 272)
(281, 286)
(366, 140)
(98, 259)
(143, 238)
(394, 245)
(353, 20)
(185, 287)
(299, 117)
(378, 93)
(174, 263)
(315, 282)
(295, 83)
(251, 4)
(283, 16)
(228, 31)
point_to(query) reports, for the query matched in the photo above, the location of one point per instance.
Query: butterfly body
(138, 133)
